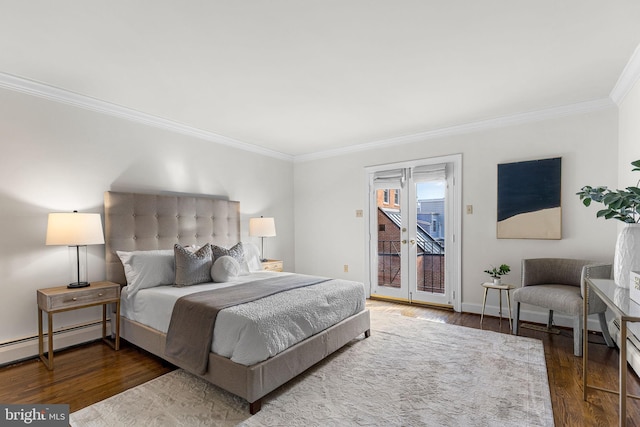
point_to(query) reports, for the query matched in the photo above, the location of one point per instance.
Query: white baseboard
(26, 349)
(541, 317)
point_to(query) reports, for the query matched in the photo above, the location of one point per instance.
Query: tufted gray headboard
(140, 222)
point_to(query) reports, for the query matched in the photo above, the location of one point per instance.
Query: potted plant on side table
(496, 273)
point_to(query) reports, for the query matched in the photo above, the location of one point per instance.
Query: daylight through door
(410, 233)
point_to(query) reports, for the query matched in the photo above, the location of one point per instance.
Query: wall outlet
(359, 213)
(346, 268)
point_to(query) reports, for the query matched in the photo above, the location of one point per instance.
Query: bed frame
(147, 222)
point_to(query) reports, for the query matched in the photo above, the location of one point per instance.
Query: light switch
(469, 209)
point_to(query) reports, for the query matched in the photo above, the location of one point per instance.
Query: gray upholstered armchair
(558, 284)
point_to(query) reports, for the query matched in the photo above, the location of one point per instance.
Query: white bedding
(252, 332)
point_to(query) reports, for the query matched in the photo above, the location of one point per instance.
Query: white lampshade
(262, 227)
(74, 229)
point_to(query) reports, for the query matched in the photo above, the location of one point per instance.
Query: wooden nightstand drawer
(79, 298)
(272, 265)
(63, 298)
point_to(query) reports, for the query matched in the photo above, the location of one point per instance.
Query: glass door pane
(430, 236)
(389, 225)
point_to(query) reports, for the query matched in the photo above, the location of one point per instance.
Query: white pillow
(147, 269)
(224, 268)
(252, 256)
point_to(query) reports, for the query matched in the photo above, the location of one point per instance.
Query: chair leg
(577, 336)
(605, 330)
(516, 319)
(550, 321)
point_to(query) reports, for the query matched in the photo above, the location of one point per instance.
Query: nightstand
(272, 265)
(61, 298)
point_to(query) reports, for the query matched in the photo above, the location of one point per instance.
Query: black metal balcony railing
(430, 268)
(389, 263)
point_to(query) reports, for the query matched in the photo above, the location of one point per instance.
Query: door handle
(413, 242)
(404, 242)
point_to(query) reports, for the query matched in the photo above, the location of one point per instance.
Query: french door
(414, 255)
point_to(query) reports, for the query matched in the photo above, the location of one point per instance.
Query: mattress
(252, 332)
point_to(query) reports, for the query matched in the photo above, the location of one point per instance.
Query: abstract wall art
(529, 200)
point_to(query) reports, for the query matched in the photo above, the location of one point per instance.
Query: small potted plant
(497, 272)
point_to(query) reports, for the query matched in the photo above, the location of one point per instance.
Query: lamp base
(78, 285)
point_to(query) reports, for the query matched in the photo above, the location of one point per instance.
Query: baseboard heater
(540, 328)
(21, 349)
(631, 337)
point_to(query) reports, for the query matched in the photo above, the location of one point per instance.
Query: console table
(625, 310)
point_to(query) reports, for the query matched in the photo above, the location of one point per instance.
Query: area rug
(410, 372)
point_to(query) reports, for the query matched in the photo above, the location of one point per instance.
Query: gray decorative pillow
(236, 252)
(225, 268)
(192, 267)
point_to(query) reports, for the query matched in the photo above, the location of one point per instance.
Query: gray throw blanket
(190, 332)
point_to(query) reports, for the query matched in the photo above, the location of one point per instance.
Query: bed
(145, 222)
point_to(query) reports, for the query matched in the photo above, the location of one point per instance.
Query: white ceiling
(301, 77)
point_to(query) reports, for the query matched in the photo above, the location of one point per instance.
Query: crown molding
(42, 90)
(511, 120)
(56, 94)
(628, 78)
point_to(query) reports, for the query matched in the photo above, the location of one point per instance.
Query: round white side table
(502, 287)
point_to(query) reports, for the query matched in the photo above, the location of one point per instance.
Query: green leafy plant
(623, 205)
(499, 271)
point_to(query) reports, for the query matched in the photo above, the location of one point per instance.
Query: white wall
(59, 158)
(629, 144)
(329, 191)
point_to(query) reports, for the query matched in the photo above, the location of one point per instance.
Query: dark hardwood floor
(89, 373)
(82, 376)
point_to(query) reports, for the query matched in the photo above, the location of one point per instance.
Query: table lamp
(262, 227)
(76, 230)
